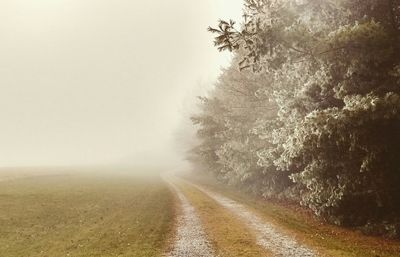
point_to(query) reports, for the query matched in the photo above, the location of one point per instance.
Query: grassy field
(328, 240)
(85, 215)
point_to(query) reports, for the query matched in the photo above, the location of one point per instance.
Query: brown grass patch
(229, 236)
(328, 240)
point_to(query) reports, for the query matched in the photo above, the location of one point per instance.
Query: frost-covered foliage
(314, 113)
(227, 127)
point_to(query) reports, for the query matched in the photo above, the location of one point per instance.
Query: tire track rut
(268, 236)
(191, 239)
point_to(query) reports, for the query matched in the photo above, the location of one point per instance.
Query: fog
(101, 82)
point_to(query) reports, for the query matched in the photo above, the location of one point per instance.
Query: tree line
(309, 110)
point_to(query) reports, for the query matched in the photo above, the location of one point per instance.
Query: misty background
(101, 82)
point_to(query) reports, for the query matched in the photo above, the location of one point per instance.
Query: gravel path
(191, 240)
(268, 236)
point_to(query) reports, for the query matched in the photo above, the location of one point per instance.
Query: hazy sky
(102, 81)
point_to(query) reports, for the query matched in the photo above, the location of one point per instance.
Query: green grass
(85, 215)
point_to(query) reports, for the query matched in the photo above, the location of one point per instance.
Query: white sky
(102, 81)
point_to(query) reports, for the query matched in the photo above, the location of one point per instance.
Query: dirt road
(191, 237)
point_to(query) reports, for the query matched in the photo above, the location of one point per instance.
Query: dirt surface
(191, 239)
(268, 236)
